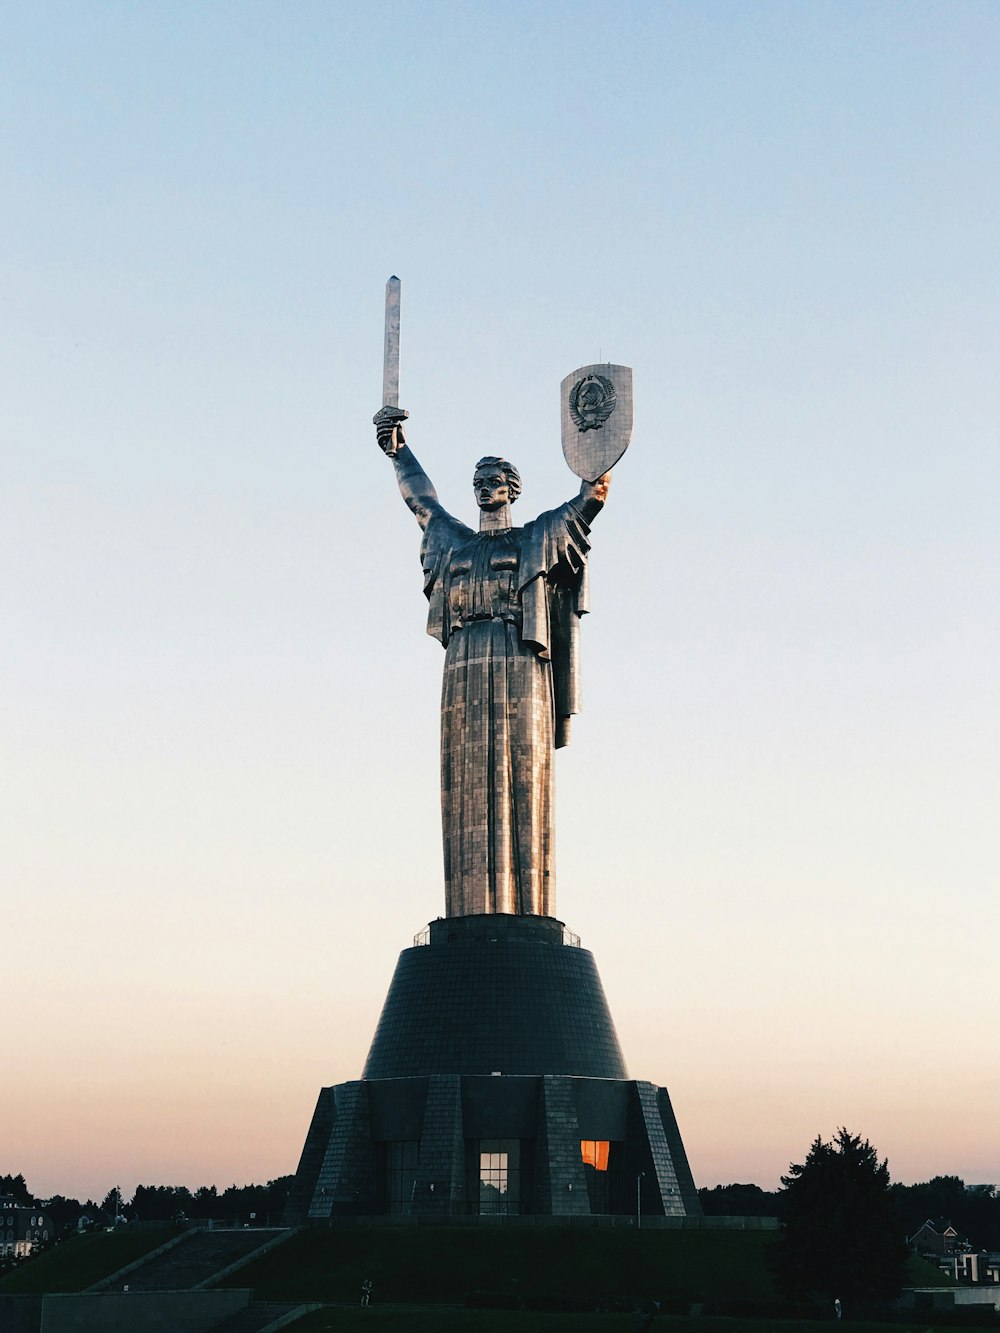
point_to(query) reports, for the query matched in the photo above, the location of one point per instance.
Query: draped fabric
(506, 606)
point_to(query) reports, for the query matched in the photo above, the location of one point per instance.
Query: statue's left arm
(553, 592)
(593, 494)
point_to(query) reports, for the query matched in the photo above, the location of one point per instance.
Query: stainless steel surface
(390, 359)
(390, 416)
(596, 418)
(505, 604)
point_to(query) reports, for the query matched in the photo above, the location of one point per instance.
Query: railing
(569, 937)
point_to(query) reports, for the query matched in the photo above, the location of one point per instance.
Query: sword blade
(390, 361)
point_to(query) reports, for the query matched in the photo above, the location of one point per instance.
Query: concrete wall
(649, 1222)
(140, 1311)
(20, 1314)
(948, 1298)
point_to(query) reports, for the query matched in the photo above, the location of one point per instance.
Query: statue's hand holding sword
(389, 418)
(596, 410)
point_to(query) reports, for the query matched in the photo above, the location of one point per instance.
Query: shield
(596, 406)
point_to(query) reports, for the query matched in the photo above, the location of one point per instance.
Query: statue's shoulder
(548, 517)
(447, 526)
(442, 533)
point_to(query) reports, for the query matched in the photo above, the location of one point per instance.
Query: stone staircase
(195, 1260)
(264, 1317)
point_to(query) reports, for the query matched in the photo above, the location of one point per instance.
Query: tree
(15, 1186)
(161, 1203)
(64, 1213)
(974, 1210)
(740, 1201)
(841, 1236)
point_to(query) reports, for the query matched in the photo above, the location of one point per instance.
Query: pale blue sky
(778, 819)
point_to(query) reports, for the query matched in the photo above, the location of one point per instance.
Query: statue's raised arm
(415, 486)
(592, 496)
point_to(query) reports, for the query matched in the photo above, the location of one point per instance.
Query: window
(603, 1165)
(400, 1175)
(595, 1153)
(499, 1176)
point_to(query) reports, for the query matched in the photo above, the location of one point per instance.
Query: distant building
(936, 1237)
(939, 1243)
(22, 1227)
(968, 1266)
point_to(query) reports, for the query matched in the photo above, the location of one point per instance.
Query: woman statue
(506, 604)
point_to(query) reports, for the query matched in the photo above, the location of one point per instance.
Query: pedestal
(494, 1087)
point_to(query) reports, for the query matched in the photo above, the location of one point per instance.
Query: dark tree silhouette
(167, 1202)
(15, 1186)
(974, 1210)
(740, 1201)
(841, 1236)
(64, 1212)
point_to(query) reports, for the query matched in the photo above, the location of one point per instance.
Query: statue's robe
(506, 606)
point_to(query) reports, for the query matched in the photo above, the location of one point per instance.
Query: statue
(505, 603)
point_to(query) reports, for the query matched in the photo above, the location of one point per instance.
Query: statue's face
(492, 490)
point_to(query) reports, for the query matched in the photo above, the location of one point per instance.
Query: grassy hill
(443, 1264)
(375, 1320)
(78, 1262)
(428, 1265)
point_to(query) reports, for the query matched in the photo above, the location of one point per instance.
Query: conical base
(495, 995)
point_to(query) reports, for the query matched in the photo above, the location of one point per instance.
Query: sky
(777, 825)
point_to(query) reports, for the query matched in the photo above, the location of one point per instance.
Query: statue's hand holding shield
(598, 490)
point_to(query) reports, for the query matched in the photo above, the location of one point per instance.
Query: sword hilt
(394, 417)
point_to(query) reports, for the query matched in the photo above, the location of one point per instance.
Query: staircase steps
(198, 1257)
(263, 1316)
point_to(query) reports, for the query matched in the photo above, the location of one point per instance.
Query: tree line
(262, 1204)
(973, 1210)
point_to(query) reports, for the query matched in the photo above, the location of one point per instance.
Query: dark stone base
(346, 1166)
(495, 1044)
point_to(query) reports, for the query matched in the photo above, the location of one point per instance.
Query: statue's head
(496, 482)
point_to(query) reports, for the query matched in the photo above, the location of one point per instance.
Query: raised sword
(390, 413)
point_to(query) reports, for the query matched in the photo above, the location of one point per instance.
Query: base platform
(495, 1085)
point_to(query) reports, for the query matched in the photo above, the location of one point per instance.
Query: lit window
(595, 1153)
(499, 1175)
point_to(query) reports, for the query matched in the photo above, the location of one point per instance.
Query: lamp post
(638, 1198)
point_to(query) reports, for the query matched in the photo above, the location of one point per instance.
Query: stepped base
(495, 1086)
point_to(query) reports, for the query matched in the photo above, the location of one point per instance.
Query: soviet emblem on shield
(596, 418)
(591, 402)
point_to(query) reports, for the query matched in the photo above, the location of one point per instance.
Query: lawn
(78, 1262)
(409, 1320)
(443, 1264)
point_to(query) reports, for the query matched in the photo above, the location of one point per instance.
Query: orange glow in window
(595, 1153)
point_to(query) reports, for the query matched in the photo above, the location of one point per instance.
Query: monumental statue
(505, 604)
(495, 1082)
